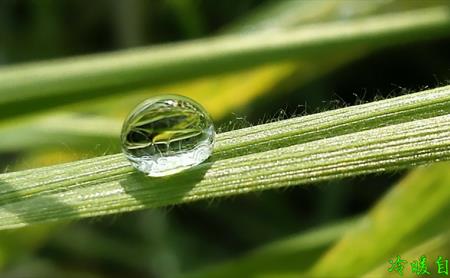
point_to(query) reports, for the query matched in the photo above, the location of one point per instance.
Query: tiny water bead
(167, 134)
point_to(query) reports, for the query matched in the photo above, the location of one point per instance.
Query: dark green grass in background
(189, 237)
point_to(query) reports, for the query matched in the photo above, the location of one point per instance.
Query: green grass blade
(405, 108)
(438, 245)
(27, 88)
(106, 185)
(409, 214)
(61, 130)
(286, 14)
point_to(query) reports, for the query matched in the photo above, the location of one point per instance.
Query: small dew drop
(167, 134)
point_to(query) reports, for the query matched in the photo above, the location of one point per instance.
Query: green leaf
(37, 86)
(432, 248)
(253, 159)
(414, 210)
(61, 130)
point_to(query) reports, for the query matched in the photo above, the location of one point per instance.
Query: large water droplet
(167, 134)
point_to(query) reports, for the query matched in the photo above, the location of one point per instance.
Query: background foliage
(342, 227)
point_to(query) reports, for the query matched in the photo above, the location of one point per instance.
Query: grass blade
(27, 88)
(106, 185)
(405, 108)
(438, 245)
(381, 236)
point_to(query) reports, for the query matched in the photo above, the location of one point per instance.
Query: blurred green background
(186, 238)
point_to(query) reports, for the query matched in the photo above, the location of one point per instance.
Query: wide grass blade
(432, 248)
(106, 185)
(409, 214)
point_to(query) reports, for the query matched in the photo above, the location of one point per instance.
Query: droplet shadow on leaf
(162, 191)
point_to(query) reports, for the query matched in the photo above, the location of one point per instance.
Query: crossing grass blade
(433, 247)
(413, 212)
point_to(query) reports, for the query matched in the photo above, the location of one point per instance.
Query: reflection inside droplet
(167, 134)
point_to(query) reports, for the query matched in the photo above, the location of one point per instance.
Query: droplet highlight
(167, 134)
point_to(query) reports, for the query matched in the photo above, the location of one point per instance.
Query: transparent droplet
(167, 134)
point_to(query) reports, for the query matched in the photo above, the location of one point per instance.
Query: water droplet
(167, 134)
